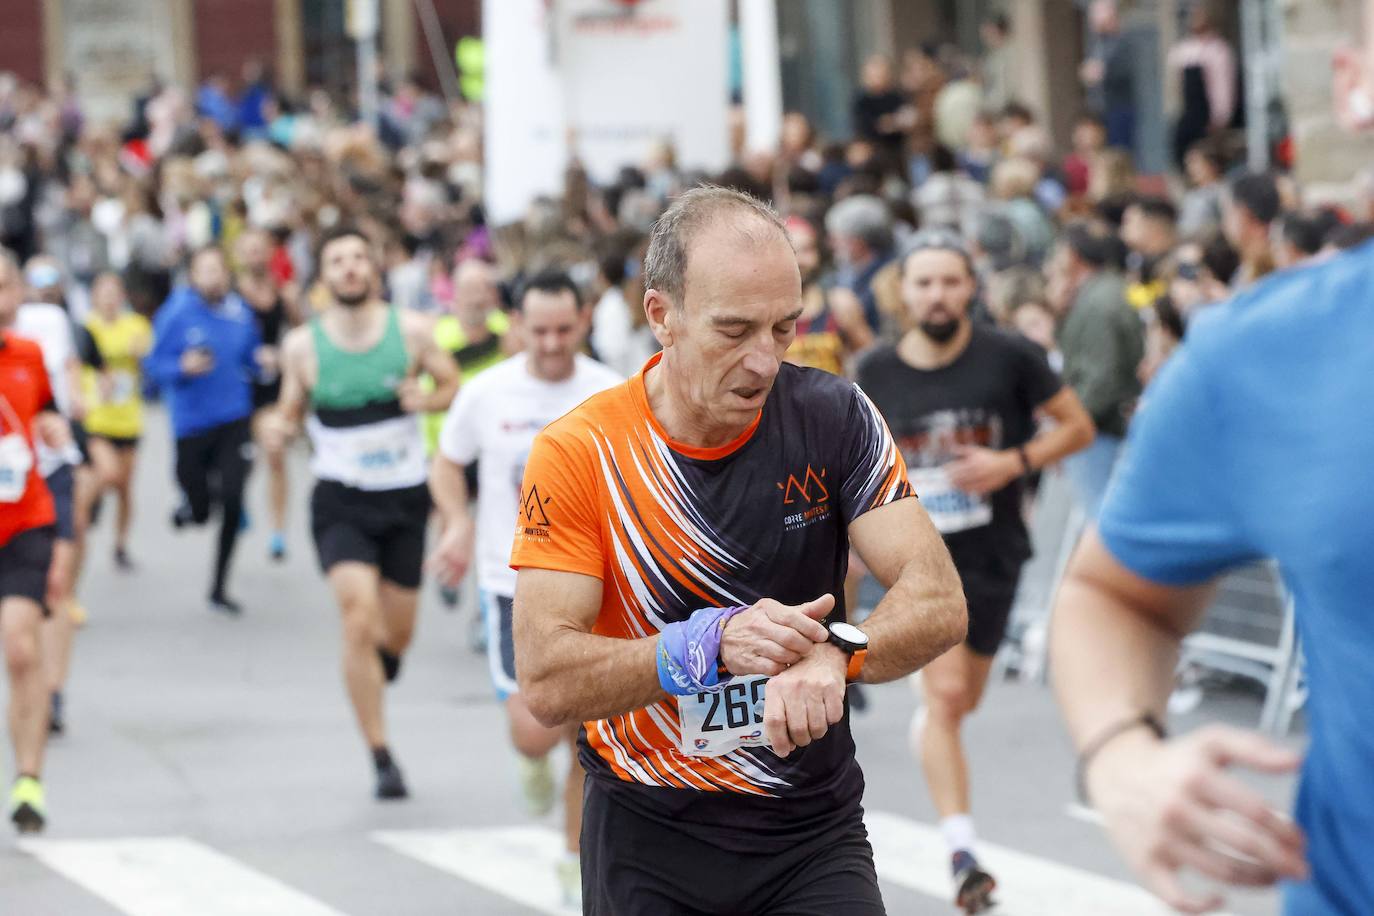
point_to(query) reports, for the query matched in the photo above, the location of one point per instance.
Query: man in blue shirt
(1253, 442)
(205, 356)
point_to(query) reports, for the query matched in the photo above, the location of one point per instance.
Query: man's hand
(1092, 71)
(451, 558)
(197, 361)
(1170, 805)
(277, 432)
(53, 429)
(770, 636)
(268, 359)
(803, 702)
(411, 396)
(983, 470)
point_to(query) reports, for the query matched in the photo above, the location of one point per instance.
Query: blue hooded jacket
(222, 395)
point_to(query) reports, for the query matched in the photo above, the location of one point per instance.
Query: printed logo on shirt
(808, 497)
(534, 522)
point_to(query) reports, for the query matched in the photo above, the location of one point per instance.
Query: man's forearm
(1108, 663)
(920, 618)
(575, 677)
(449, 490)
(438, 400)
(1057, 443)
(1113, 646)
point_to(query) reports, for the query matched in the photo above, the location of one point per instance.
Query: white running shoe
(570, 881)
(536, 784)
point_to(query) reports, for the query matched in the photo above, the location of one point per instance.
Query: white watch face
(850, 634)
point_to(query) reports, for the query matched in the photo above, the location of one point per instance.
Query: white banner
(621, 76)
(115, 47)
(525, 147)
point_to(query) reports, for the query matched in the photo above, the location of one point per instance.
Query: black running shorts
(990, 589)
(634, 866)
(382, 528)
(24, 562)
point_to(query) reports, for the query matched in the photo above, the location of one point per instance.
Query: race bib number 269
(726, 720)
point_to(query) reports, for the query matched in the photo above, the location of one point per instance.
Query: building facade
(112, 49)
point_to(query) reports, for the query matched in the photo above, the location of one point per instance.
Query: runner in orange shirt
(27, 533)
(681, 540)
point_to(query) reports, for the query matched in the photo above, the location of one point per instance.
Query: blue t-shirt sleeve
(1170, 514)
(163, 362)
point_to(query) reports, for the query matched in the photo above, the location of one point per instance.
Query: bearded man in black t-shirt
(962, 401)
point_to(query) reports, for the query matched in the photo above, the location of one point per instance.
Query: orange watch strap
(856, 665)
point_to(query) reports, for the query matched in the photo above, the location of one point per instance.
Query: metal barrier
(1248, 631)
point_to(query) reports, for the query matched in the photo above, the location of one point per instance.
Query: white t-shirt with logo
(493, 421)
(49, 327)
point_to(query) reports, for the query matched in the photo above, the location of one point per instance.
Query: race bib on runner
(726, 720)
(950, 508)
(121, 386)
(385, 462)
(15, 462)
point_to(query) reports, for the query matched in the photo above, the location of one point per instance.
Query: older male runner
(680, 541)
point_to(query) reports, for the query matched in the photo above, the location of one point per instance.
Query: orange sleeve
(557, 525)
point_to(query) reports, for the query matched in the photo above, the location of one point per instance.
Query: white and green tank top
(361, 436)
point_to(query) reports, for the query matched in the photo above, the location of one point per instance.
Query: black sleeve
(86, 349)
(874, 473)
(1036, 381)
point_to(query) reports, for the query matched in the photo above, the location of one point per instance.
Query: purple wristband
(689, 651)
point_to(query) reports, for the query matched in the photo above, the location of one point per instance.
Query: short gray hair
(665, 261)
(863, 217)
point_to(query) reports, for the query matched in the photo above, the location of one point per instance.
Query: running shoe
(57, 720)
(390, 783)
(27, 805)
(536, 784)
(973, 887)
(223, 604)
(122, 561)
(569, 869)
(477, 633)
(181, 515)
(276, 547)
(76, 613)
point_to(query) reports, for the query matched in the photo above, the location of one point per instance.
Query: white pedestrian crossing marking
(914, 856)
(517, 863)
(174, 876)
(170, 876)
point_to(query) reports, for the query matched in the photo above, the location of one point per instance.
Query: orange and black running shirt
(24, 387)
(670, 528)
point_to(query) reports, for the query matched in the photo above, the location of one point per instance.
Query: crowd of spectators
(938, 140)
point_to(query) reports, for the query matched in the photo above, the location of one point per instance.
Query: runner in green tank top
(354, 370)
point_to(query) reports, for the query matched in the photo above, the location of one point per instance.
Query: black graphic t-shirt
(669, 528)
(987, 397)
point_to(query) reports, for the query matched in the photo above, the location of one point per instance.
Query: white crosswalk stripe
(171, 876)
(914, 856)
(515, 862)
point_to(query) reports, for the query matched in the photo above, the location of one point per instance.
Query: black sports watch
(853, 642)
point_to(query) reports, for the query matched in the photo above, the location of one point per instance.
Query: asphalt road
(212, 765)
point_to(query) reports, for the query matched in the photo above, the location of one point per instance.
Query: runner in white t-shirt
(494, 421)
